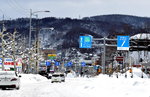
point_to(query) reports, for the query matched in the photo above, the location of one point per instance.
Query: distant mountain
(67, 31)
(127, 19)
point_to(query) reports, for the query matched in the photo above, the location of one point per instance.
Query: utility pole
(104, 57)
(30, 24)
(103, 45)
(30, 28)
(37, 46)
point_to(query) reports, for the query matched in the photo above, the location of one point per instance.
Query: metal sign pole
(104, 56)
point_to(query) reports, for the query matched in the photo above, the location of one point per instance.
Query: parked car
(62, 77)
(9, 79)
(55, 77)
(43, 73)
(49, 75)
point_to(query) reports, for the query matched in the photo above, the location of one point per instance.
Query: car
(55, 77)
(62, 77)
(49, 76)
(9, 79)
(43, 73)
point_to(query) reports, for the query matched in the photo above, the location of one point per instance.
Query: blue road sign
(70, 64)
(1, 61)
(66, 65)
(83, 64)
(122, 42)
(57, 63)
(85, 41)
(48, 63)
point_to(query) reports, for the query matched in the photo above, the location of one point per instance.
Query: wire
(13, 6)
(19, 6)
(3, 12)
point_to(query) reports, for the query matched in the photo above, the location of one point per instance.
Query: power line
(18, 10)
(19, 6)
(5, 15)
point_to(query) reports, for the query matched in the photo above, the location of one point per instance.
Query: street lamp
(30, 30)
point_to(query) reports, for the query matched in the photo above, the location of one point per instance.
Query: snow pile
(106, 86)
(72, 74)
(137, 73)
(32, 78)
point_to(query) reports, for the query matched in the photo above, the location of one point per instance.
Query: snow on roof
(141, 36)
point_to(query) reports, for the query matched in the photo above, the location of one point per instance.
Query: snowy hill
(66, 31)
(118, 18)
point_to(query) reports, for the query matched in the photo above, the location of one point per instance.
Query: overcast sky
(73, 8)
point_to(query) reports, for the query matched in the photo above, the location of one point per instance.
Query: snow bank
(100, 86)
(136, 72)
(32, 78)
(106, 86)
(72, 74)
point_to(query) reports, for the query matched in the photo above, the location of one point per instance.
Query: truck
(43, 69)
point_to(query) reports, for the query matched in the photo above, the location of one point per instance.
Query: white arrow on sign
(123, 43)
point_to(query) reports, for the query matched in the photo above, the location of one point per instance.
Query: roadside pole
(104, 57)
(103, 45)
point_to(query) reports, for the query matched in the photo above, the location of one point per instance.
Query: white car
(9, 79)
(55, 78)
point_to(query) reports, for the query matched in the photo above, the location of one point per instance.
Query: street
(37, 86)
(44, 89)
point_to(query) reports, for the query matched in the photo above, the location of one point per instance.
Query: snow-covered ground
(100, 86)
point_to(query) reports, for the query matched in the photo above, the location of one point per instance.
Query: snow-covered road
(46, 89)
(100, 86)
(83, 87)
